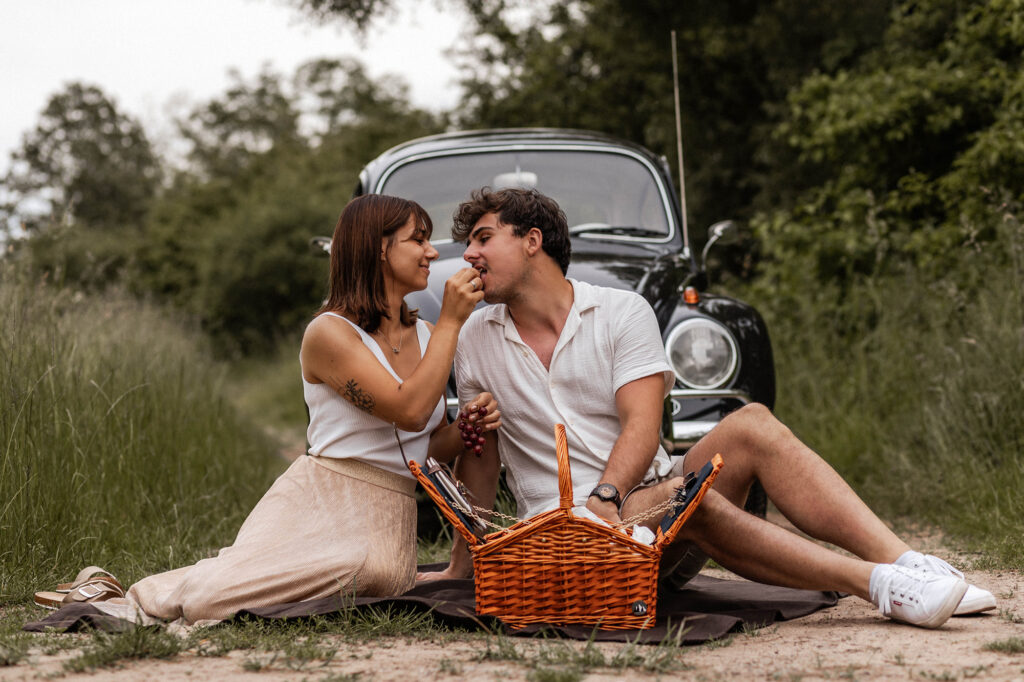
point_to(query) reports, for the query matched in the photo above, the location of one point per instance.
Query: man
(554, 350)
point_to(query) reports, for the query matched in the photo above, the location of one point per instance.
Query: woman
(344, 519)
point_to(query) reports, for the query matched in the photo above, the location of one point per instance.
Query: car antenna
(679, 149)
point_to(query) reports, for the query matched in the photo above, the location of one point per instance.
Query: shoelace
(900, 580)
(933, 564)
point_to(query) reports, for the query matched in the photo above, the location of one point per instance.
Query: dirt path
(849, 641)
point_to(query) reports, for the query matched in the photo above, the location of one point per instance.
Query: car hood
(651, 270)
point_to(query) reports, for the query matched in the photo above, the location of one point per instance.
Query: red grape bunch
(472, 434)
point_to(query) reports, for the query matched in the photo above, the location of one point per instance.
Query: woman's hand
(462, 292)
(479, 416)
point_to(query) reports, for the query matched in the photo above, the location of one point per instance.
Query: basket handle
(564, 476)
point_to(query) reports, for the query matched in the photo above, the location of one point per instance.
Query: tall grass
(117, 444)
(913, 390)
(268, 388)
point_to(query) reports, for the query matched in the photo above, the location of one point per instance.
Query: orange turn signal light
(690, 296)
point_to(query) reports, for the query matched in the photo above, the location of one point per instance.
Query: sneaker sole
(976, 606)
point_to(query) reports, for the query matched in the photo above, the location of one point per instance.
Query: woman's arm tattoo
(358, 397)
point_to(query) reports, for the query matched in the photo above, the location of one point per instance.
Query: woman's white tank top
(339, 429)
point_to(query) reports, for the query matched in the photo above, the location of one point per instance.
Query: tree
(274, 161)
(360, 12)
(902, 159)
(247, 121)
(85, 163)
(606, 65)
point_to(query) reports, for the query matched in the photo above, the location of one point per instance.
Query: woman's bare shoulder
(327, 330)
(326, 341)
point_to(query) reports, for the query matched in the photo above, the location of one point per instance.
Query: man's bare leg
(758, 550)
(800, 483)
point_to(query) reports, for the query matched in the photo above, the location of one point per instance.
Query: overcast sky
(149, 54)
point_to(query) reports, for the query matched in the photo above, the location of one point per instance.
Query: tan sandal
(88, 574)
(92, 584)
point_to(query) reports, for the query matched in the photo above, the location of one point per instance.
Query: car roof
(482, 138)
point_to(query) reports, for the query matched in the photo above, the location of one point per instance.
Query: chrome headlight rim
(717, 327)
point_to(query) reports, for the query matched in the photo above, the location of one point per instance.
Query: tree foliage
(248, 120)
(271, 162)
(85, 163)
(274, 162)
(359, 12)
(606, 65)
(902, 158)
(854, 136)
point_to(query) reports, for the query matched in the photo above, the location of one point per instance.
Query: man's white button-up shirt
(609, 339)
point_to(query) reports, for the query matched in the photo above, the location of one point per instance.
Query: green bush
(117, 444)
(912, 388)
(896, 161)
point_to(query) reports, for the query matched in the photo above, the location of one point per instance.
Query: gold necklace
(401, 338)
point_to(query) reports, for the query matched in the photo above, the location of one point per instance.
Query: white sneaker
(915, 597)
(975, 600)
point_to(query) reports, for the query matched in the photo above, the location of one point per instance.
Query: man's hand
(605, 509)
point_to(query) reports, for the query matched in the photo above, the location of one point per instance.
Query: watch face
(606, 492)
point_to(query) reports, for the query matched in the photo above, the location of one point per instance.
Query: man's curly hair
(523, 209)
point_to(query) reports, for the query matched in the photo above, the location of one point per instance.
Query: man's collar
(584, 297)
(496, 313)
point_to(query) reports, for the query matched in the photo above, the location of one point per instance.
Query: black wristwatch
(606, 492)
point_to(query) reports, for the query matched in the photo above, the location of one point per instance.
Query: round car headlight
(702, 352)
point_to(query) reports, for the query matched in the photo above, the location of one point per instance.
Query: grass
(912, 390)
(311, 645)
(270, 390)
(110, 650)
(118, 445)
(315, 639)
(14, 643)
(1013, 645)
(306, 645)
(562, 659)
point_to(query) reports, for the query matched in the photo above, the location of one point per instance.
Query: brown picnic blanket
(710, 607)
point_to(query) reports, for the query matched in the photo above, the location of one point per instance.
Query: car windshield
(605, 194)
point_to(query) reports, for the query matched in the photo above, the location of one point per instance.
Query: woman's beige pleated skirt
(326, 526)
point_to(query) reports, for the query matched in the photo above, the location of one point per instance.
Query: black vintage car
(627, 233)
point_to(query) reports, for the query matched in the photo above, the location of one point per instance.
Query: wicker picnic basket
(560, 569)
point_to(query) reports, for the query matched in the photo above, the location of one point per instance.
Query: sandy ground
(849, 641)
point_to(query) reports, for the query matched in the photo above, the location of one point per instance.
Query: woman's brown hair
(356, 279)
